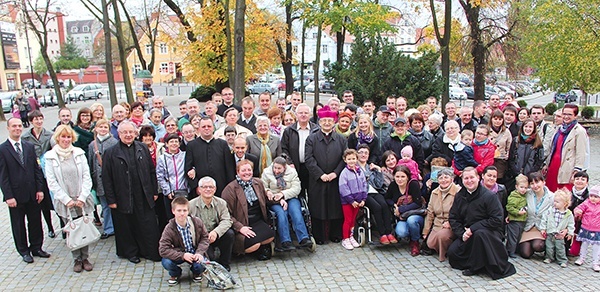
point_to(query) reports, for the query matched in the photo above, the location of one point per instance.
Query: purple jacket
(353, 186)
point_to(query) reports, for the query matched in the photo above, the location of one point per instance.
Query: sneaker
(173, 281)
(579, 262)
(563, 265)
(305, 243)
(392, 238)
(596, 268)
(547, 261)
(287, 246)
(384, 240)
(347, 244)
(197, 278)
(353, 241)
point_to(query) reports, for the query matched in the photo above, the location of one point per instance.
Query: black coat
(441, 149)
(471, 125)
(396, 145)
(290, 142)
(253, 159)
(117, 181)
(323, 157)
(523, 158)
(374, 151)
(20, 182)
(480, 211)
(210, 159)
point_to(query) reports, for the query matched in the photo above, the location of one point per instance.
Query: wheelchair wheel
(362, 236)
(313, 247)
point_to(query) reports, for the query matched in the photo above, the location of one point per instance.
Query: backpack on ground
(217, 277)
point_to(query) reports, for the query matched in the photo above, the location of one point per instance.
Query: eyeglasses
(171, 125)
(208, 187)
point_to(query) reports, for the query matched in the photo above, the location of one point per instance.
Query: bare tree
(36, 17)
(239, 47)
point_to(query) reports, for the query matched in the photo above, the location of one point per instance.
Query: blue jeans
(175, 270)
(108, 226)
(411, 227)
(294, 210)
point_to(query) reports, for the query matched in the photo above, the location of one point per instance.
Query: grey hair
(126, 123)
(207, 179)
(446, 171)
(155, 110)
(261, 119)
(436, 118)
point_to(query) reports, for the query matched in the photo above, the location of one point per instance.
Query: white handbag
(80, 232)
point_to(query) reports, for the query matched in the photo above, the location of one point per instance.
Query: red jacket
(484, 154)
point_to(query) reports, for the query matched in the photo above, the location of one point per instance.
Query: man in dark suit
(22, 184)
(239, 153)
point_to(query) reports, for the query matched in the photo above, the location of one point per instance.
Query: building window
(137, 68)
(324, 49)
(148, 49)
(87, 52)
(163, 49)
(86, 28)
(86, 40)
(74, 29)
(164, 67)
(314, 35)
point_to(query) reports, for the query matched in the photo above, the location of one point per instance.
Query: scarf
(248, 190)
(265, 153)
(496, 129)
(451, 143)
(480, 143)
(103, 138)
(276, 130)
(281, 184)
(63, 153)
(528, 139)
(363, 138)
(153, 149)
(494, 189)
(446, 190)
(566, 128)
(579, 194)
(345, 134)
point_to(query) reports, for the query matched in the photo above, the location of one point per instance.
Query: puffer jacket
(170, 172)
(484, 154)
(524, 158)
(292, 182)
(94, 163)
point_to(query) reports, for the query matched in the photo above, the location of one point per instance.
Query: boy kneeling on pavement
(184, 240)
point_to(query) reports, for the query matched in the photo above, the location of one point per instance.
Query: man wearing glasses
(227, 94)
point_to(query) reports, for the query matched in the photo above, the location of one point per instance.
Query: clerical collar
(326, 133)
(207, 141)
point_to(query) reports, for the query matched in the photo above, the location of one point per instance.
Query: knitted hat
(326, 112)
(407, 151)
(595, 191)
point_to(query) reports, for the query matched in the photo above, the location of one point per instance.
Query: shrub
(203, 93)
(522, 103)
(551, 108)
(588, 112)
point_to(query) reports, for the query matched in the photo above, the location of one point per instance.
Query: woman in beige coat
(437, 229)
(502, 138)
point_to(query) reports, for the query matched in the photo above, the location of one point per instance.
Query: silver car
(262, 87)
(8, 99)
(86, 91)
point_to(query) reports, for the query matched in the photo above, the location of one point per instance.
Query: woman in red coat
(483, 148)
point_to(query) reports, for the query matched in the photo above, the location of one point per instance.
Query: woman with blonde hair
(68, 177)
(365, 134)
(97, 112)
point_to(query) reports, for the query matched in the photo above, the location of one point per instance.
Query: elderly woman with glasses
(437, 230)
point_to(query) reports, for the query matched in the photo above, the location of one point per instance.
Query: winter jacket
(590, 220)
(353, 186)
(374, 147)
(484, 155)
(42, 144)
(290, 142)
(514, 204)
(292, 182)
(438, 209)
(94, 163)
(443, 147)
(502, 141)
(383, 132)
(171, 244)
(426, 140)
(575, 150)
(170, 172)
(549, 224)
(524, 158)
(396, 144)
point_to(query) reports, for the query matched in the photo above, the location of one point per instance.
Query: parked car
(457, 93)
(50, 83)
(8, 99)
(279, 84)
(31, 83)
(48, 99)
(86, 91)
(565, 97)
(324, 87)
(262, 87)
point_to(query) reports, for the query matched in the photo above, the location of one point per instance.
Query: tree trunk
(239, 51)
(287, 63)
(444, 42)
(317, 63)
(112, 92)
(340, 36)
(303, 45)
(228, 46)
(478, 50)
(122, 56)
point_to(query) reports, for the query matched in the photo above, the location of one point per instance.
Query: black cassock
(212, 159)
(483, 251)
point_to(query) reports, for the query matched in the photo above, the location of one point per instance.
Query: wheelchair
(276, 244)
(363, 229)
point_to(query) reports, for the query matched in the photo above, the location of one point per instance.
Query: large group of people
(476, 186)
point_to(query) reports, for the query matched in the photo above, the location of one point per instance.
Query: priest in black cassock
(476, 219)
(130, 186)
(209, 156)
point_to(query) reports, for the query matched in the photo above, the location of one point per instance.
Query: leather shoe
(227, 267)
(51, 234)
(27, 258)
(468, 273)
(134, 259)
(41, 253)
(106, 235)
(264, 253)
